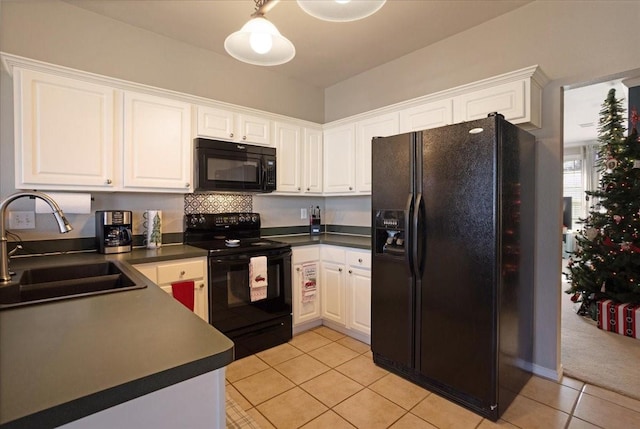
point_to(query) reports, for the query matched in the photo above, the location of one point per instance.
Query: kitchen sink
(38, 285)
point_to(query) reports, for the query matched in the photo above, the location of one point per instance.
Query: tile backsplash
(217, 203)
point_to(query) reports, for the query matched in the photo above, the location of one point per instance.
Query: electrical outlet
(303, 213)
(22, 220)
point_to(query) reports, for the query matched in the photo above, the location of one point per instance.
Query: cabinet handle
(183, 272)
(231, 135)
(109, 181)
(360, 260)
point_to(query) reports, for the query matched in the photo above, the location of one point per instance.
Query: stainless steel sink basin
(69, 281)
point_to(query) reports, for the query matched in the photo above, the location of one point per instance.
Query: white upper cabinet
(299, 152)
(312, 160)
(233, 126)
(339, 160)
(289, 153)
(65, 134)
(507, 99)
(157, 143)
(427, 115)
(379, 126)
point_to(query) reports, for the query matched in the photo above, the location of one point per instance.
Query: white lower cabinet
(306, 286)
(359, 291)
(165, 273)
(343, 294)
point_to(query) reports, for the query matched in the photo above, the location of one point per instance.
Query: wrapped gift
(623, 319)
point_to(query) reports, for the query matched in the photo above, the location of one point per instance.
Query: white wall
(572, 41)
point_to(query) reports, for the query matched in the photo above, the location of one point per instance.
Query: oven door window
(230, 294)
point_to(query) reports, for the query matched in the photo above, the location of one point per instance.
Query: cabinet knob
(340, 269)
(350, 272)
(244, 137)
(186, 185)
(109, 181)
(360, 260)
(350, 188)
(298, 269)
(201, 285)
(231, 135)
(298, 188)
(183, 272)
(308, 189)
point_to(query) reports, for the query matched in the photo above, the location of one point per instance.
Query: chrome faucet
(63, 225)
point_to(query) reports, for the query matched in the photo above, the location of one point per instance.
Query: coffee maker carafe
(113, 231)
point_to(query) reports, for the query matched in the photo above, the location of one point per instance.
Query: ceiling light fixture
(259, 42)
(341, 10)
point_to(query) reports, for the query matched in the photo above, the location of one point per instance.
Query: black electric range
(234, 245)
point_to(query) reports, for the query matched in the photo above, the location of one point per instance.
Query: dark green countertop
(64, 360)
(356, 241)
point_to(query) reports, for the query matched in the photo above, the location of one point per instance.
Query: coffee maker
(113, 231)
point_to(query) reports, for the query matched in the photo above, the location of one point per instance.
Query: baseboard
(306, 326)
(349, 332)
(551, 374)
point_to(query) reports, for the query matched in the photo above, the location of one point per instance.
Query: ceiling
(326, 52)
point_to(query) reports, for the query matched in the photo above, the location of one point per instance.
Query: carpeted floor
(598, 357)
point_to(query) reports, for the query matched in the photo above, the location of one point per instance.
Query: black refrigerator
(452, 268)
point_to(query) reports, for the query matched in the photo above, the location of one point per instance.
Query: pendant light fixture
(341, 10)
(259, 42)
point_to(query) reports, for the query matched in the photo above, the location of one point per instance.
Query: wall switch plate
(303, 213)
(22, 220)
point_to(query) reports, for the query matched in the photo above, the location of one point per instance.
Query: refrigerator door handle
(415, 235)
(409, 209)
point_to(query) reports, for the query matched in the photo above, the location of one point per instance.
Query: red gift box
(623, 319)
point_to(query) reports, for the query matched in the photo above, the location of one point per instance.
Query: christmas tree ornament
(617, 218)
(591, 233)
(611, 163)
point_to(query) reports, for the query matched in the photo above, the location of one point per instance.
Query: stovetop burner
(227, 233)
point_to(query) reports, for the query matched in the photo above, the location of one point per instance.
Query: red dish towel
(183, 292)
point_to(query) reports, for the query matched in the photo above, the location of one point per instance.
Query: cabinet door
(380, 126)
(508, 99)
(305, 310)
(359, 299)
(288, 146)
(157, 143)
(312, 164)
(339, 160)
(215, 123)
(253, 129)
(65, 132)
(429, 115)
(333, 292)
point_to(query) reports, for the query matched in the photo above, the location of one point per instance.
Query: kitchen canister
(152, 228)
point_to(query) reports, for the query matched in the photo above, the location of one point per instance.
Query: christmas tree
(606, 264)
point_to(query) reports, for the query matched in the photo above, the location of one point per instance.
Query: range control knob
(254, 218)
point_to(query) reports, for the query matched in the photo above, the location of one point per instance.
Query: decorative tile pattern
(217, 203)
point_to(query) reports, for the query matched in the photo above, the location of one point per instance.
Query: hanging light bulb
(259, 42)
(341, 10)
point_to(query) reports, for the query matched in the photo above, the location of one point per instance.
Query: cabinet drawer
(333, 254)
(359, 259)
(168, 273)
(304, 254)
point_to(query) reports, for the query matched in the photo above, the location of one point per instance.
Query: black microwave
(233, 167)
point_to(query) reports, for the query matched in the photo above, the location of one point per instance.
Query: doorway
(588, 353)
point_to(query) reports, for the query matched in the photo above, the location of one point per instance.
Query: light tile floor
(323, 379)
